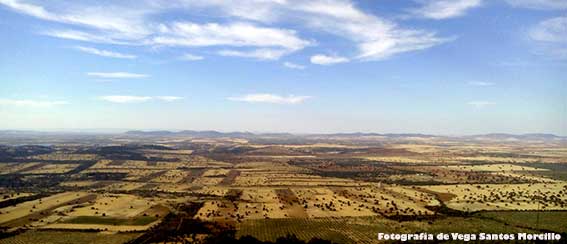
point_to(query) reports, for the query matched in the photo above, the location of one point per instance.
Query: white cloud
(168, 98)
(445, 9)
(126, 99)
(138, 99)
(104, 53)
(550, 37)
(270, 98)
(191, 57)
(30, 9)
(386, 39)
(327, 60)
(262, 54)
(30, 103)
(406, 41)
(263, 38)
(550, 30)
(293, 66)
(539, 4)
(480, 104)
(233, 34)
(480, 83)
(82, 36)
(117, 75)
(128, 25)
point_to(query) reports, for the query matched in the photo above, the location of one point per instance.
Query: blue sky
(427, 66)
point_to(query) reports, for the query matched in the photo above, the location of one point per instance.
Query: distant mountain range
(531, 136)
(217, 134)
(191, 133)
(237, 134)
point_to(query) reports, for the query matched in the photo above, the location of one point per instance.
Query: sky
(449, 67)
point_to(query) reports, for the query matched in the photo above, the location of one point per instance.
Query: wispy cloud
(138, 99)
(191, 57)
(168, 98)
(253, 28)
(480, 83)
(273, 42)
(117, 75)
(341, 18)
(539, 4)
(550, 37)
(30, 103)
(82, 36)
(551, 30)
(322, 59)
(387, 38)
(125, 99)
(128, 25)
(104, 53)
(445, 9)
(261, 54)
(293, 65)
(270, 98)
(480, 104)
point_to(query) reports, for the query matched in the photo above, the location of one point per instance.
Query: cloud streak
(191, 57)
(480, 83)
(102, 20)
(125, 99)
(293, 65)
(260, 54)
(550, 37)
(104, 53)
(322, 59)
(445, 9)
(481, 104)
(137, 99)
(270, 98)
(233, 34)
(117, 75)
(552, 30)
(168, 98)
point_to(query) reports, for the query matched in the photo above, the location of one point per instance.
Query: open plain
(342, 188)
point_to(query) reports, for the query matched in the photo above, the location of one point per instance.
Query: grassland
(555, 221)
(21, 213)
(98, 220)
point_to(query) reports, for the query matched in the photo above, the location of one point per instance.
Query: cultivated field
(341, 188)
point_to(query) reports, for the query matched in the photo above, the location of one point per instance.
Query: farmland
(364, 229)
(341, 188)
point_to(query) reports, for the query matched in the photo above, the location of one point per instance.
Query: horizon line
(123, 131)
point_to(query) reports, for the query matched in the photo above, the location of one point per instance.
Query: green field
(553, 174)
(365, 229)
(553, 220)
(68, 237)
(143, 220)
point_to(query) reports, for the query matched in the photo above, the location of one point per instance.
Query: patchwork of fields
(343, 190)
